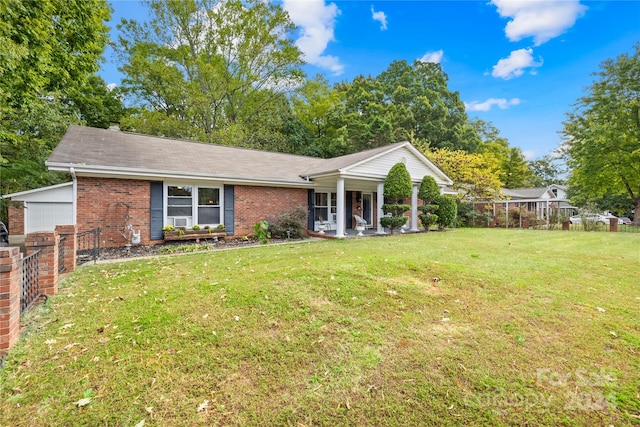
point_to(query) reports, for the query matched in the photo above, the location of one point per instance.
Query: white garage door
(45, 216)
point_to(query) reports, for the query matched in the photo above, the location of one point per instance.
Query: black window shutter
(228, 209)
(311, 197)
(157, 216)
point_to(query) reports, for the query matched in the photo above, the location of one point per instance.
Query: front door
(367, 207)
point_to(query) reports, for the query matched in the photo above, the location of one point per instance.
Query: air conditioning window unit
(180, 222)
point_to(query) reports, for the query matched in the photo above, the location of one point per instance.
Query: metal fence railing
(88, 246)
(29, 283)
(61, 254)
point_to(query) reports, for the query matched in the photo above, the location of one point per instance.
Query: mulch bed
(137, 251)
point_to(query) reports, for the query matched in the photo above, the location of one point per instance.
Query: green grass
(471, 327)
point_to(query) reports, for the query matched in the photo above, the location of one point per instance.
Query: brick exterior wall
(111, 204)
(253, 204)
(16, 218)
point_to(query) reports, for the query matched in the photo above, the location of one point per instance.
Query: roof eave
(80, 169)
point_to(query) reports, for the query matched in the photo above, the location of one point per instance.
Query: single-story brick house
(122, 179)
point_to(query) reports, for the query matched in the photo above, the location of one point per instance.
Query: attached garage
(46, 215)
(40, 210)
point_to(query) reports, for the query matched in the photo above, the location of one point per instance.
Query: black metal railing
(29, 283)
(88, 246)
(61, 266)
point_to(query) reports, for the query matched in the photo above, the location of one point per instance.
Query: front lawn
(469, 327)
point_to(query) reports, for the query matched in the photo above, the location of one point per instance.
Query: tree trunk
(636, 213)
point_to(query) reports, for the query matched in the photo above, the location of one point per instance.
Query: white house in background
(543, 201)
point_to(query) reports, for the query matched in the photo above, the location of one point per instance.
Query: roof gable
(52, 193)
(376, 163)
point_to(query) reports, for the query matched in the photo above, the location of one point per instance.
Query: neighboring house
(122, 179)
(543, 202)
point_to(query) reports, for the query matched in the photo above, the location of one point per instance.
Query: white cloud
(501, 103)
(316, 21)
(111, 86)
(529, 154)
(381, 17)
(515, 64)
(435, 57)
(542, 20)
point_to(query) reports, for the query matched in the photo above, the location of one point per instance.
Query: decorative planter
(360, 229)
(321, 228)
(193, 235)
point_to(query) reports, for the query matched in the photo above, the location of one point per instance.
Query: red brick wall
(253, 204)
(10, 276)
(16, 218)
(111, 204)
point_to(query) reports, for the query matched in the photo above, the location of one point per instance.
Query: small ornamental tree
(428, 193)
(397, 186)
(447, 211)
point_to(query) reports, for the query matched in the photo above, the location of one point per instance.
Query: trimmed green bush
(429, 190)
(428, 193)
(397, 185)
(447, 211)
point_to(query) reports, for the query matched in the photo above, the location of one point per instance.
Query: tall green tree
(515, 171)
(547, 170)
(472, 174)
(96, 104)
(602, 134)
(405, 102)
(49, 49)
(213, 64)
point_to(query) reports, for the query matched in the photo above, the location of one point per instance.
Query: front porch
(352, 233)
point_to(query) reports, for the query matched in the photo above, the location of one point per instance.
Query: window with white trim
(208, 206)
(180, 205)
(188, 205)
(325, 207)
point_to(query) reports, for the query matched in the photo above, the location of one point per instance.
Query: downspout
(74, 196)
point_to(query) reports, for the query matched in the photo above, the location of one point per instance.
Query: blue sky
(517, 64)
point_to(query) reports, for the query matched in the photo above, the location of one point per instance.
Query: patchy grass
(472, 327)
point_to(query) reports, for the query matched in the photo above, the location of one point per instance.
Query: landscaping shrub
(447, 211)
(428, 193)
(261, 232)
(292, 221)
(397, 186)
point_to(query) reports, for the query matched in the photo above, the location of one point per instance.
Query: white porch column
(506, 219)
(414, 208)
(380, 202)
(340, 208)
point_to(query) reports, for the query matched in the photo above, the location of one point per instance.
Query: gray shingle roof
(525, 193)
(106, 149)
(86, 148)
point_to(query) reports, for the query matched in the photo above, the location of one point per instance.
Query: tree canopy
(214, 65)
(602, 134)
(49, 49)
